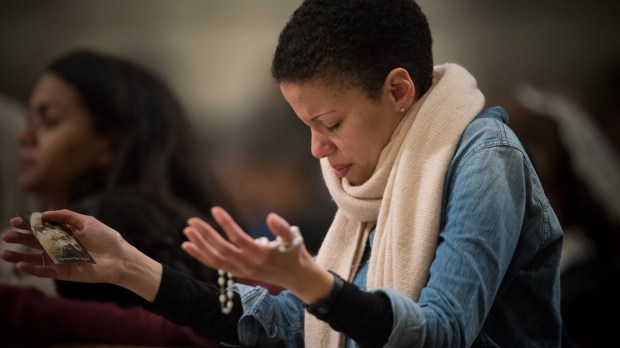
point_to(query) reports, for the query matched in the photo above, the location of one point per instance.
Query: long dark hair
(152, 138)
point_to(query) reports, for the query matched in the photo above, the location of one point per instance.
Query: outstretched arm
(363, 316)
(117, 262)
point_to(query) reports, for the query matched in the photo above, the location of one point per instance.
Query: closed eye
(333, 128)
(49, 121)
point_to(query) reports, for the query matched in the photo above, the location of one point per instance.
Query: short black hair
(355, 43)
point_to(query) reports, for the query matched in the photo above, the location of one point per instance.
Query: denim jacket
(495, 279)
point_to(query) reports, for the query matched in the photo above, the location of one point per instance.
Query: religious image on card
(58, 240)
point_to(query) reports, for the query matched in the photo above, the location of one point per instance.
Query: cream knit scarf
(402, 198)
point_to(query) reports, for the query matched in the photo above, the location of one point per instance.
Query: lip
(25, 162)
(341, 170)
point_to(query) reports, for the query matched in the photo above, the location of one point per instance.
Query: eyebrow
(44, 105)
(314, 118)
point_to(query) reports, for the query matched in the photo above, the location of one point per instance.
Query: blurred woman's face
(58, 143)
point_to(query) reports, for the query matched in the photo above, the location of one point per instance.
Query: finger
(279, 227)
(198, 248)
(210, 235)
(16, 257)
(65, 216)
(23, 238)
(217, 252)
(201, 244)
(37, 270)
(204, 251)
(18, 222)
(290, 236)
(232, 229)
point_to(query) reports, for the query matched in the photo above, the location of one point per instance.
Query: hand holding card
(118, 262)
(58, 241)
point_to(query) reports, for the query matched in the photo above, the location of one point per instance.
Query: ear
(401, 88)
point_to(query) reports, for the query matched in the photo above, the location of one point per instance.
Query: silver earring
(401, 110)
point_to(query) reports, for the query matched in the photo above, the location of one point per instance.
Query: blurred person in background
(108, 138)
(31, 312)
(13, 115)
(573, 137)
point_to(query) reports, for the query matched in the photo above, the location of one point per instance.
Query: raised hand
(291, 268)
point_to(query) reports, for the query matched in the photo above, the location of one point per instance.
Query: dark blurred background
(216, 53)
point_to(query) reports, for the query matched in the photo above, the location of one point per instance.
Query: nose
(321, 145)
(26, 135)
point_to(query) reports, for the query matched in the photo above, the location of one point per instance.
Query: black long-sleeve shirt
(365, 317)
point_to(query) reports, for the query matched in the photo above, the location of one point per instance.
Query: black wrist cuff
(322, 307)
